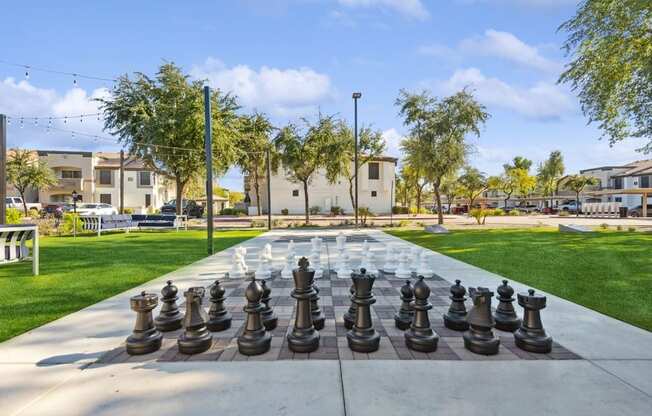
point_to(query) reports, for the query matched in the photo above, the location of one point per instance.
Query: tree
(451, 188)
(472, 184)
(161, 121)
(610, 44)
(506, 183)
(413, 175)
(235, 197)
(577, 183)
(525, 183)
(403, 190)
(549, 173)
(24, 171)
(519, 162)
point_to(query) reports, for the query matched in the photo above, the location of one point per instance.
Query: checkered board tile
(334, 294)
(357, 238)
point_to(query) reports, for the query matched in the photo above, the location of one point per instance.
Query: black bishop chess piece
(304, 337)
(270, 320)
(169, 318)
(531, 336)
(403, 318)
(219, 318)
(349, 316)
(255, 339)
(505, 315)
(145, 338)
(480, 338)
(318, 317)
(455, 318)
(420, 336)
(196, 337)
(363, 337)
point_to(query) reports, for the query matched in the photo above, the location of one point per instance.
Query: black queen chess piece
(318, 317)
(270, 320)
(145, 338)
(531, 336)
(363, 337)
(255, 339)
(403, 318)
(196, 338)
(169, 318)
(420, 336)
(455, 318)
(480, 338)
(505, 315)
(219, 318)
(349, 316)
(304, 337)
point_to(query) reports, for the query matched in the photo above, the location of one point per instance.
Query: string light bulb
(27, 73)
(74, 80)
(21, 122)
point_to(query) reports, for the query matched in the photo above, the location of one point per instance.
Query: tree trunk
(351, 194)
(179, 194)
(440, 214)
(577, 204)
(257, 190)
(307, 203)
(418, 200)
(506, 199)
(22, 197)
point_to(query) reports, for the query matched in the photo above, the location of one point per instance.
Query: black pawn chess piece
(505, 315)
(304, 337)
(455, 318)
(363, 337)
(420, 336)
(145, 338)
(196, 338)
(169, 318)
(480, 339)
(403, 318)
(255, 339)
(219, 319)
(349, 316)
(531, 336)
(318, 317)
(270, 320)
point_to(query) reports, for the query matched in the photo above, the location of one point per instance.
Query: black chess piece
(145, 338)
(304, 337)
(219, 319)
(505, 315)
(169, 318)
(455, 318)
(254, 340)
(349, 316)
(403, 318)
(480, 339)
(420, 336)
(318, 317)
(270, 320)
(195, 338)
(363, 337)
(531, 336)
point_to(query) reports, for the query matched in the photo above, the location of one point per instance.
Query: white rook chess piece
(368, 263)
(236, 271)
(425, 268)
(290, 262)
(340, 241)
(403, 271)
(264, 270)
(343, 270)
(390, 260)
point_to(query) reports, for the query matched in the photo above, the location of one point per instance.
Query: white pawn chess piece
(340, 241)
(263, 271)
(368, 263)
(343, 270)
(403, 270)
(236, 271)
(290, 262)
(315, 263)
(425, 267)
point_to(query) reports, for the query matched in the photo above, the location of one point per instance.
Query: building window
(105, 199)
(619, 199)
(106, 177)
(374, 194)
(148, 200)
(295, 192)
(374, 170)
(71, 174)
(144, 179)
(644, 182)
(618, 183)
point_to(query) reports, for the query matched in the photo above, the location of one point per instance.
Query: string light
(75, 75)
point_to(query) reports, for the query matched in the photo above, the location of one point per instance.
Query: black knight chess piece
(480, 338)
(196, 337)
(255, 339)
(304, 337)
(219, 319)
(318, 317)
(169, 318)
(420, 336)
(531, 336)
(349, 316)
(505, 315)
(403, 318)
(145, 338)
(455, 318)
(363, 337)
(270, 320)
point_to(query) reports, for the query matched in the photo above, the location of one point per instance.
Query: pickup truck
(17, 202)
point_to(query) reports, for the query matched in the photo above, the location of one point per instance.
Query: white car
(96, 209)
(17, 203)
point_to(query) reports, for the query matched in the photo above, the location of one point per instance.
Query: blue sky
(291, 58)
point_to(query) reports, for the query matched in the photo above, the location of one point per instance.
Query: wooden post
(3, 168)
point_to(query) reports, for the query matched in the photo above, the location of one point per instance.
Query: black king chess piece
(304, 337)
(363, 337)
(169, 318)
(219, 319)
(505, 315)
(531, 336)
(196, 338)
(480, 339)
(270, 320)
(349, 316)
(145, 338)
(403, 318)
(420, 336)
(254, 340)
(318, 317)
(455, 318)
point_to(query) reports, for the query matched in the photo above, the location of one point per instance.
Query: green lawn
(77, 272)
(610, 272)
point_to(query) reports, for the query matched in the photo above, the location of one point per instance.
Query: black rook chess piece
(318, 317)
(505, 315)
(304, 337)
(363, 337)
(196, 337)
(219, 319)
(403, 318)
(270, 320)
(254, 340)
(145, 338)
(420, 336)
(480, 339)
(531, 336)
(169, 318)
(349, 316)
(455, 318)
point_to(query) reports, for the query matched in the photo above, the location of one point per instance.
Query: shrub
(403, 223)
(604, 226)
(335, 210)
(128, 211)
(631, 229)
(498, 212)
(514, 213)
(258, 224)
(13, 216)
(563, 213)
(619, 228)
(233, 211)
(276, 222)
(315, 210)
(285, 211)
(481, 214)
(399, 210)
(364, 213)
(71, 224)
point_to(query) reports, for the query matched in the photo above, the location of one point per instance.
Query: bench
(13, 245)
(100, 223)
(157, 221)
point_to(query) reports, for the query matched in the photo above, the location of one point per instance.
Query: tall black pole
(3, 168)
(208, 142)
(122, 182)
(391, 202)
(269, 190)
(356, 95)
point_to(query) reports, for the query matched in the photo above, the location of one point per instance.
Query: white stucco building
(627, 184)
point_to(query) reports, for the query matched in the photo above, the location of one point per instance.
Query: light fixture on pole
(74, 213)
(356, 96)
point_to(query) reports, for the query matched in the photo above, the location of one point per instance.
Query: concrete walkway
(49, 371)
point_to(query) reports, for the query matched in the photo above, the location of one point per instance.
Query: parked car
(570, 206)
(96, 209)
(528, 208)
(51, 208)
(638, 211)
(17, 203)
(189, 207)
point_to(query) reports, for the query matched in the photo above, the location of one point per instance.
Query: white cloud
(526, 3)
(393, 141)
(408, 8)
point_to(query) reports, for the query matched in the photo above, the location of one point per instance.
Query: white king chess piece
(425, 266)
(343, 270)
(236, 271)
(390, 260)
(403, 270)
(340, 241)
(290, 263)
(264, 270)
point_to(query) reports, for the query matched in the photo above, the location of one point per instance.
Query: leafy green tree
(526, 183)
(404, 193)
(610, 44)
(451, 188)
(577, 183)
(519, 162)
(25, 170)
(413, 174)
(549, 173)
(506, 183)
(472, 184)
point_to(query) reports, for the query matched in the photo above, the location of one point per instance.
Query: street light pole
(208, 143)
(356, 96)
(269, 189)
(74, 213)
(3, 168)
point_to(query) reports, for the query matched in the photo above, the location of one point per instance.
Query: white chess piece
(365, 247)
(236, 271)
(264, 270)
(267, 250)
(415, 259)
(425, 268)
(343, 270)
(315, 264)
(291, 248)
(390, 260)
(368, 263)
(414, 255)
(403, 271)
(290, 262)
(316, 244)
(340, 241)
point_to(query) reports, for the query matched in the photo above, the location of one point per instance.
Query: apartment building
(626, 184)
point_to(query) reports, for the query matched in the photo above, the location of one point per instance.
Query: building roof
(112, 160)
(64, 152)
(639, 167)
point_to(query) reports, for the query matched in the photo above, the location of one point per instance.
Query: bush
(233, 211)
(258, 224)
(13, 216)
(71, 223)
(514, 213)
(563, 213)
(399, 210)
(335, 210)
(631, 229)
(604, 226)
(285, 211)
(619, 228)
(364, 213)
(315, 210)
(277, 223)
(128, 211)
(481, 214)
(499, 212)
(403, 223)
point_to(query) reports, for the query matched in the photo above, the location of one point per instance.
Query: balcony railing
(68, 185)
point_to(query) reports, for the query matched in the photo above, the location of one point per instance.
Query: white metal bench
(13, 245)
